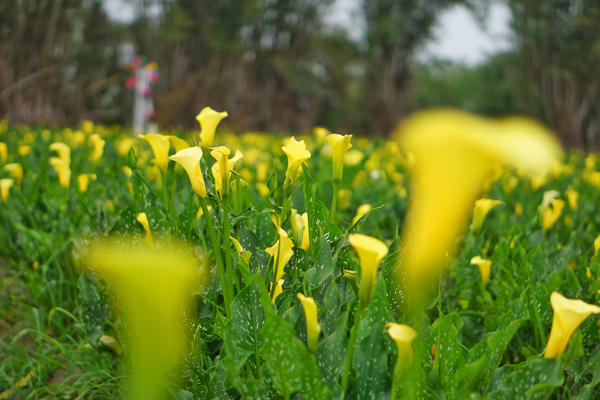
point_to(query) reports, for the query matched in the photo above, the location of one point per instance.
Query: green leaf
(323, 265)
(331, 355)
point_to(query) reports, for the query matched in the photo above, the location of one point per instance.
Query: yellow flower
(189, 159)
(155, 288)
(143, 219)
(278, 290)
(550, 209)
(484, 268)
(454, 152)
(209, 119)
(82, 181)
(596, 247)
(370, 252)
(305, 238)
(261, 171)
(518, 209)
(360, 212)
(313, 329)
(124, 145)
(297, 225)
(98, 148)
(62, 163)
(222, 168)
(263, 190)
(568, 315)
(320, 135)
(3, 152)
(296, 154)
(160, 147)
(572, 198)
(16, 170)
(482, 208)
(5, 185)
(339, 145)
(24, 150)
(179, 144)
(353, 157)
(281, 252)
(404, 336)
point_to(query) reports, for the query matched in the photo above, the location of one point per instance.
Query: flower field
(454, 260)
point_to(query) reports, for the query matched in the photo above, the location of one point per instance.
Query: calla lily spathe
(143, 219)
(155, 289)
(189, 158)
(370, 252)
(403, 336)
(485, 267)
(339, 145)
(297, 154)
(482, 208)
(454, 152)
(222, 168)
(209, 119)
(160, 146)
(179, 144)
(281, 252)
(550, 209)
(305, 237)
(62, 163)
(313, 329)
(3, 152)
(5, 185)
(568, 315)
(16, 171)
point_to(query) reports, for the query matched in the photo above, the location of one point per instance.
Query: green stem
(393, 395)
(218, 259)
(334, 200)
(351, 344)
(174, 188)
(229, 268)
(164, 191)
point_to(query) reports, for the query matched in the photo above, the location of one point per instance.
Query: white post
(139, 103)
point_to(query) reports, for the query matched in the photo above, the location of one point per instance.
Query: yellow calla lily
(278, 290)
(5, 185)
(281, 252)
(360, 212)
(222, 168)
(305, 238)
(297, 154)
(62, 163)
(339, 145)
(550, 209)
(313, 329)
(97, 148)
(572, 198)
(482, 208)
(403, 336)
(454, 152)
(243, 254)
(154, 288)
(179, 144)
(209, 119)
(3, 152)
(23, 150)
(370, 252)
(83, 181)
(189, 158)
(568, 315)
(143, 219)
(297, 224)
(484, 268)
(160, 146)
(15, 170)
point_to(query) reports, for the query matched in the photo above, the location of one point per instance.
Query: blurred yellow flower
(568, 315)
(281, 252)
(87, 126)
(313, 329)
(83, 181)
(97, 148)
(454, 152)
(24, 150)
(263, 190)
(62, 163)
(353, 157)
(5, 185)
(572, 198)
(124, 145)
(155, 289)
(339, 145)
(209, 119)
(482, 208)
(403, 336)
(370, 252)
(160, 147)
(15, 170)
(296, 154)
(484, 268)
(550, 209)
(3, 152)
(518, 209)
(189, 158)
(360, 212)
(320, 135)
(143, 219)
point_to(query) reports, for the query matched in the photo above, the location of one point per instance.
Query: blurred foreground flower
(568, 315)
(154, 289)
(209, 119)
(454, 152)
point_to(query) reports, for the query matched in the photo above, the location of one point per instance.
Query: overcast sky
(457, 35)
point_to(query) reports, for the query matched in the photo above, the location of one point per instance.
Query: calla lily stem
(218, 259)
(351, 344)
(334, 201)
(231, 273)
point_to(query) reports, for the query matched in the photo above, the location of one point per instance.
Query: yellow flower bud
(143, 219)
(189, 158)
(568, 315)
(5, 185)
(370, 252)
(160, 147)
(209, 119)
(482, 208)
(297, 154)
(313, 329)
(484, 268)
(403, 336)
(339, 145)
